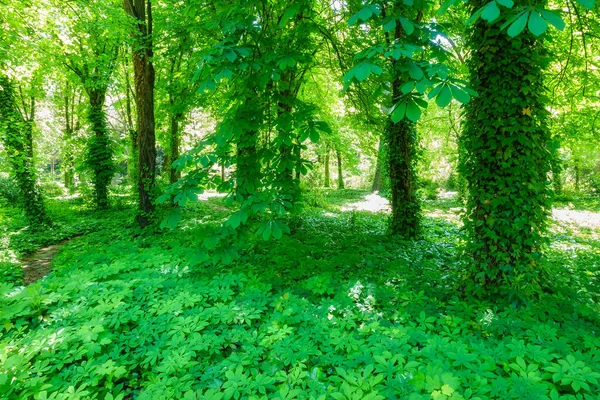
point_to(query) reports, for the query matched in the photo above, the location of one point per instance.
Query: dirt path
(38, 264)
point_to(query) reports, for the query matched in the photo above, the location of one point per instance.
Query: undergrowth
(335, 310)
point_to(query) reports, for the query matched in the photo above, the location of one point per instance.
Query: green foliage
(310, 316)
(505, 130)
(17, 137)
(9, 190)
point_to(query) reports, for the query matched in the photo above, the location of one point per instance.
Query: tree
(506, 160)
(17, 135)
(403, 53)
(141, 12)
(87, 43)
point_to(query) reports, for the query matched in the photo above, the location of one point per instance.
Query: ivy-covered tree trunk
(174, 145)
(17, 137)
(327, 182)
(406, 208)
(401, 144)
(99, 152)
(247, 174)
(505, 161)
(144, 90)
(68, 160)
(340, 177)
(377, 176)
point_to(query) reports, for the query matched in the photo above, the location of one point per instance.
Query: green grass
(335, 310)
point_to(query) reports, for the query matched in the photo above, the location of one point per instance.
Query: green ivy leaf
(518, 26)
(537, 25)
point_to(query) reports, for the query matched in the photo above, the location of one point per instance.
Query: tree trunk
(144, 91)
(99, 152)
(401, 143)
(68, 162)
(505, 161)
(18, 139)
(340, 177)
(132, 162)
(247, 174)
(174, 145)
(377, 176)
(327, 182)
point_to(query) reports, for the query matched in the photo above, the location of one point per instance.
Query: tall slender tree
(141, 12)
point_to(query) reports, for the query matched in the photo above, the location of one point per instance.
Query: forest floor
(337, 309)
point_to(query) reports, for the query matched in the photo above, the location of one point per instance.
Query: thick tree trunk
(18, 142)
(144, 90)
(340, 177)
(401, 144)
(327, 182)
(505, 160)
(401, 141)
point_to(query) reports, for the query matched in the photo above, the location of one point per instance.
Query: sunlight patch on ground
(372, 202)
(582, 218)
(209, 193)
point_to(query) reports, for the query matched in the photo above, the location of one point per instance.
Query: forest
(300, 199)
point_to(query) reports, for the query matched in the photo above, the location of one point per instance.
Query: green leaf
(415, 72)
(444, 98)
(407, 87)
(445, 7)
(506, 3)
(238, 218)
(589, 4)
(289, 14)
(390, 25)
(553, 17)
(537, 25)
(172, 219)
(407, 25)
(413, 111)
(491, 12)
(518, 26)
(459, 94)
(364, 14)
(362, 71)
(399, 112)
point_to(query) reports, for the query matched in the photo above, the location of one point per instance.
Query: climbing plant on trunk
(505, 160)
(16, 130)
(402, 54)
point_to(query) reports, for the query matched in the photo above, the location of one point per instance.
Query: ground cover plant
(299, 199)
(312, 315)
